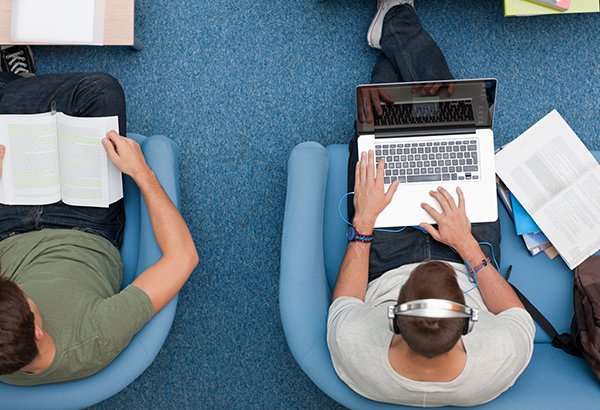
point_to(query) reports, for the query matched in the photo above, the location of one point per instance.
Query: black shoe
(17, 60)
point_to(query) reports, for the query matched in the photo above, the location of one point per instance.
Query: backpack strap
(563, 341)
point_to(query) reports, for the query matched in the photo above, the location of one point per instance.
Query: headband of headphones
(435, 309)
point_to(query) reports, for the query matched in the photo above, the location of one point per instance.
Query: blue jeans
(75, 94)
(408, 53)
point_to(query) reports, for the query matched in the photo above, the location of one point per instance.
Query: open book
(57, 157)
(557, 180)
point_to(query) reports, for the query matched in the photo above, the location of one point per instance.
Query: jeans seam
(409, 65)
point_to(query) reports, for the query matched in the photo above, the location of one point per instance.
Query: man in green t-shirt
(63, 316)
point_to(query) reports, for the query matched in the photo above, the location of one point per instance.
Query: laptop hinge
(416, 132)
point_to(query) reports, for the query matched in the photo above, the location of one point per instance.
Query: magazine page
(30, 170)
(552, 174)
(88, 177)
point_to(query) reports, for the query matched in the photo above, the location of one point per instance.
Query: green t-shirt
(74, 279)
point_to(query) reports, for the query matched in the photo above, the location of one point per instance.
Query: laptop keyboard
(432, 161)
(424, 113)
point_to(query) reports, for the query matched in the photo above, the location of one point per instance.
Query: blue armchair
(314, 243)
(138, 252)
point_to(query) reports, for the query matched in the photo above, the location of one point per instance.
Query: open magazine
(58, 157)
(557, 180)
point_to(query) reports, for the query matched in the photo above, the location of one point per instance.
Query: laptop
(432, 134)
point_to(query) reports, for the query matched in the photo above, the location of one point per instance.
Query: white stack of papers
(57, 21)
(557, 180)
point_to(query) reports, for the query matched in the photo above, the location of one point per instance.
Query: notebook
(432, 134)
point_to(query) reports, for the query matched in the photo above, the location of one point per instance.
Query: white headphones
(433, 308)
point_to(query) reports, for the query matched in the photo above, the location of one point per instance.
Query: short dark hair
(425, 336)
(17, 328)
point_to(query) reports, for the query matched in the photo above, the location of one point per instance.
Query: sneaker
(383, 6)
(17, 60)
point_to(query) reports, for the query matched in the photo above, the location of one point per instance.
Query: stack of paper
(557, 180)
(58, 21)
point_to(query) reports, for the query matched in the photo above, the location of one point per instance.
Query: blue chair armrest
(304, 294)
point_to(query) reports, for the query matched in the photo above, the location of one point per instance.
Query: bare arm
(454, 229)
(164, 279)
(369, 201)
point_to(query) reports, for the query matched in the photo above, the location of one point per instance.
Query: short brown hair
(425, 336)
(17, 328)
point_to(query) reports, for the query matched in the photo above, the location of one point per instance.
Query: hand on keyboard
(370, 197)
(454, 228)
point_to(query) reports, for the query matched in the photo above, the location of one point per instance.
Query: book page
(572, 220)
(84, 164)
(30, 170)
(543, 161)
(557, 180)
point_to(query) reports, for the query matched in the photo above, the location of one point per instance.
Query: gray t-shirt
(358, 335)
(74, 279)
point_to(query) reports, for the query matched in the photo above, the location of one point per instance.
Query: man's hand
(454, 228)
(126, 154)
(370, 197)
(164, 279)
(370, 98)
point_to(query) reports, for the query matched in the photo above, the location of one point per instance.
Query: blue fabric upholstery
(138, 252)
(313, 245)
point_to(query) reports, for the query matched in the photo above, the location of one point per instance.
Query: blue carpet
(237, 85)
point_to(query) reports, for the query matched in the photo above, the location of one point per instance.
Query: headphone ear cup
(396, 327)
(468, 327)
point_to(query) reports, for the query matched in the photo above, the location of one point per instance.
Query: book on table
(557, 180)
(58, 157)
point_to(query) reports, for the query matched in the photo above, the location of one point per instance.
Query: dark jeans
(75, 94)
(408, 53)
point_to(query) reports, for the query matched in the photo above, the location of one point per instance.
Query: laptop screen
(425, 105)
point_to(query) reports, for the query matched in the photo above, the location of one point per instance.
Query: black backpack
(585, 326)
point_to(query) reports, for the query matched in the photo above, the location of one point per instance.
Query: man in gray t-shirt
(454, 355)
(429, 361)
(362, 347)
